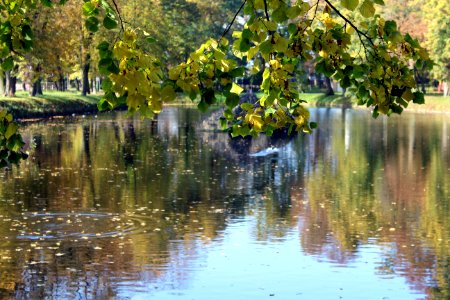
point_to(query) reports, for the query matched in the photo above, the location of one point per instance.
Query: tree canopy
(345, 40)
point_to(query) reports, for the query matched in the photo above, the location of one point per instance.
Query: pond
(115, 208)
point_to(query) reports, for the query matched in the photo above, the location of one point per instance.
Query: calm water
(113, 208)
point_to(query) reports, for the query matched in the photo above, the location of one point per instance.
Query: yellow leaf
(257, 122)
(236, 89)
(135, 100)
(252, 52)
(349, 29)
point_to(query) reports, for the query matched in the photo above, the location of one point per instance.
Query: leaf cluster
(11, 142)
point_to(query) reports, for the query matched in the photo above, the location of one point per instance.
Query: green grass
(433, 102)
(51, 103)
(321, 100)
(64, 103)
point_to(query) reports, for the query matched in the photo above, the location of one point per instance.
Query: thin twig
(234, 19)
(118, 13)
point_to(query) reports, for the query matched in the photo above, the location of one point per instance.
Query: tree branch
(234, 18)
(118, 13)
(266, 10)
(360, 33)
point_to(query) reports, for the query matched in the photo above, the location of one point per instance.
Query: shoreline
(60, 104)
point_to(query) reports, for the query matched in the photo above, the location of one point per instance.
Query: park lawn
(433, 102)
(50, 104)
(71, 102)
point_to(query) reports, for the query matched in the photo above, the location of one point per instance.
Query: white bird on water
(265, 152)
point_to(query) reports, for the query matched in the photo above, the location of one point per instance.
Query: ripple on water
(75, 225)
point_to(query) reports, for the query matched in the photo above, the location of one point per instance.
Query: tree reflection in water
(128, 204)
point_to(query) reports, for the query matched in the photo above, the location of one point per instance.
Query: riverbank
(50, 104)
(66, 103)
(433, 103)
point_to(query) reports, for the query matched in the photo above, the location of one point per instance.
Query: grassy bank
(433, 103)
(50, 104)
(65, 103)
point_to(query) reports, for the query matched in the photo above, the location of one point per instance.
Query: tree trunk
(10, 86)
(329, 91)
(86, 66)
(77, 84)
(92, 85)
(7, 82)
(2, 82)
(61, 83)
(37, 88)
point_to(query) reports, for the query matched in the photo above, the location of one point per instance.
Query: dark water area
(114, 208)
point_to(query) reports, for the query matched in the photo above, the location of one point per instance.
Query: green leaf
(11, 130)
(109, 22)
(379, 2)
(89, 9)
(413, 42)
(202, 106)
(107, 84)
(375, 112)
(247, 34)
(237, 72)
(345, 82)
(358, 72)
(292, 28)
(279, 15)
(390, 27)
(103, 46)
(232, 100)
(27, 33)
(313, 125)
(209, 96)
(8, 64)
(247, 106)
(104, 64)
(350, 4)
(223, 123)
(92, 24)
(150, 40)
(47, 3)
(293, 12)
(27, 45)
(113, 68)
(367, 9)
(244, 45)
(418, 98)
(362, 92)
(265, 47)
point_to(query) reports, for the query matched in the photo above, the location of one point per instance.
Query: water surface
(115, 208)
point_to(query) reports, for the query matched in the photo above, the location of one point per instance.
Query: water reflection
(113, 207)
